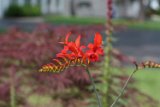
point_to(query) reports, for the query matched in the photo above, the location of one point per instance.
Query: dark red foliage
(29, 50)
(65, 79)
(4, 92)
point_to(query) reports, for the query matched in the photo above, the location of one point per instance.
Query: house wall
(83, 8)
(3, 6)
(95, 8)
(127, 9)
(47, 6)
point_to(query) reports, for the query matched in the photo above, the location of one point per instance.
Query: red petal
(59, 54)
(100, 51)
(92, 56)
(90, 46)
(68, 56)
(72, 47)
(98, 39)
(64, 55)
(82, 47)
(64, 50)
(77, 42)
(67, 36)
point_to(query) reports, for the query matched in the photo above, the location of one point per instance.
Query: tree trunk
(123, 4)
(142, 11)
(159, 3)
(72, 8)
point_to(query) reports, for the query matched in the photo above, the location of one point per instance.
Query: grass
(134, 24)
(148, 82)
(74, 20)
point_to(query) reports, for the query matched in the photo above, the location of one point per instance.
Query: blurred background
(29, 34)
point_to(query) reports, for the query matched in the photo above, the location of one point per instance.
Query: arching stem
(124, 87)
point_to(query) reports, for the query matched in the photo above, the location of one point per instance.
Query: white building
(78, 7)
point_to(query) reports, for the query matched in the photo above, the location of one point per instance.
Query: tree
(159, 3)
(141, 11)
(72, 8)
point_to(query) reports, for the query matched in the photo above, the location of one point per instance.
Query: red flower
(72, 48)
(95, 49)
(74, 53)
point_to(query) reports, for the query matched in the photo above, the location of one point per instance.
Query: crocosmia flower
(74, 53)
(95, 49)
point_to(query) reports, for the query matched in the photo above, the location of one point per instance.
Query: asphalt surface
(27, 24)
(142, 44)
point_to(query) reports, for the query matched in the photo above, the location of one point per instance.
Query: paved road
(143, 44)
(27, 24)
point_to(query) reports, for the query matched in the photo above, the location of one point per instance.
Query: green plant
(15, 10)
(143, 65)
(73, 54)
(29, 10)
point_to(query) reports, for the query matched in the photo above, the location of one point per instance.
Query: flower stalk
(107, 74)
(124, 87)
(146, 64)
(12, 91)
(94, 88)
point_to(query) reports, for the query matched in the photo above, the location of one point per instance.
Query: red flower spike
(75, 54)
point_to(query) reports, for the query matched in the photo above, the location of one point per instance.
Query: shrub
(14, 11)
(22, 11)
(29, 10)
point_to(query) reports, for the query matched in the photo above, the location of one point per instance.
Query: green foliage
(22, 11)
(14, 11)
(29, 10)
(150, 12)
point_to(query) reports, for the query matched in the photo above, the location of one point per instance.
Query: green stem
(125, 85)
(12, 91)
(94, 87)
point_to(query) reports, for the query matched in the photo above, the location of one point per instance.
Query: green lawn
(148, 81)
(74, 20)
(153, 25)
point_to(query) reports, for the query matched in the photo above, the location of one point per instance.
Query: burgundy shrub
(29, 50)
